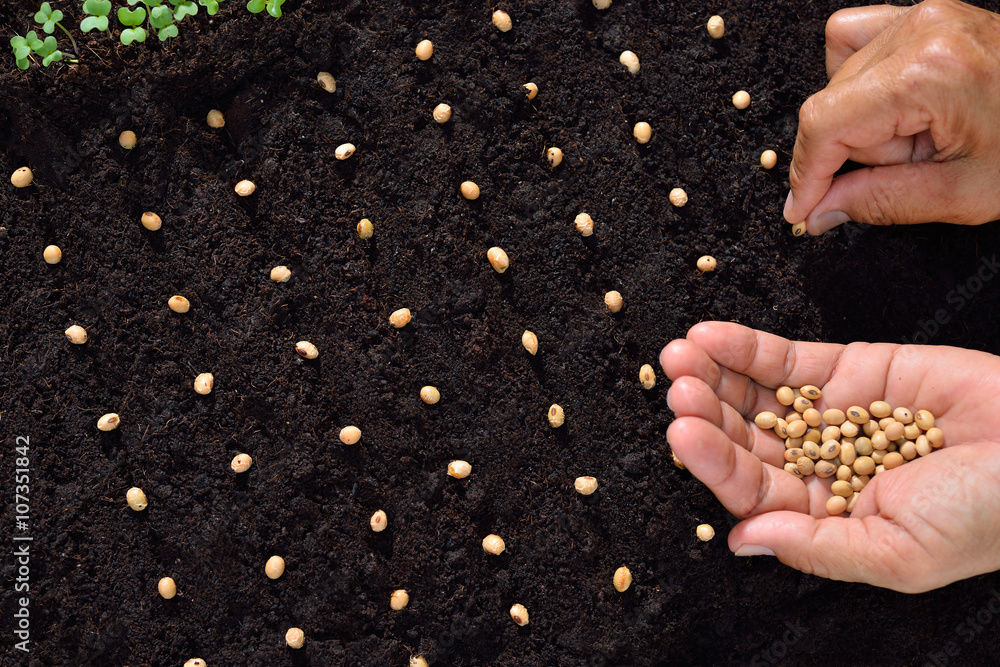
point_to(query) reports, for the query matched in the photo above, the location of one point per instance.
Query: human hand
(914, 92)
(914, 528)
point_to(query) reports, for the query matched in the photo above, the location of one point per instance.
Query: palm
(920, 526)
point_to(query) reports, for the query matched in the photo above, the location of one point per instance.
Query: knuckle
(880, 207)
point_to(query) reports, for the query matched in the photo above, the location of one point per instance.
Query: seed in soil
(295, 638)
(344, 151)
(203, 383)
(678, 197)
(442, 113)
(602, 4)
(151, 221)
(707, 264)
(327, 82)
(418, 661)
(741, 100)
(430, 395)
(306, 350)
(705, 532)
(459, 469)
(836, 505)
(642, 132)
(630, 61)
(519, 614)
(52, 254)
(768, 159)
(498, 259)
(350, 435)
(108, 422)
(556, 415)
(245, 188)
(274, 567)
(622, 579)
(425, 49)
(502, 21)
(195, 662)
(379, 521)
(400, 318)
(613, 300)
(555, 156)
(179, 304)
(493, 544)
(167, 588)
(281, 274)
(530, 90)
(399, 599)
(127, 140)
(136, 499)
(76, 335)
(585, 485)
(530, 342)
(716, 27)
(469, 190)
(584, 224)
(241, 463)
(647, 377)
(365, 229)
(215, 119)
(22, 177)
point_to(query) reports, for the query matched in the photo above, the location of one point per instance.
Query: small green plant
(211, 6)
(97, 11)
(132, 20)
(273, 7)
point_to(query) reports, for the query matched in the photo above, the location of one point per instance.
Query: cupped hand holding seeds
(923, 525)
(913, 93)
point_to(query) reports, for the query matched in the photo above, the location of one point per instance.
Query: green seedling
(211, 6)
(98, 11)
(162, 19)
(47, 50)
(132, 20)
(183, 8)
(273, 7)
(50, 19)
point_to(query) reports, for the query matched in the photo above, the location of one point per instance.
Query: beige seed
(602, 4)
(880, 409)
(852, 501)
(556, 415)
(555, 156)
(766, 420)
(442, 113)
(502, 21)
(813, 435)
(469, 190)
(203, 383)
(52, 254)
(793, 416)
(857, 414)
(870, 427)
(127, 140)
(400, 318)
(781, 428)
(76, 335)
(418, 661)
(350, 435)
(22, 177)
(378, 521)
(877, 456)
(498, 259)
(825, 469)
(836, 505)
(306, 350)
(936, 437)
(647, 378)
(741, 100)
(425, 49)
(801, 404)
(880, 441)
(344, 151)
(848, 453)
(459, 469)
(493, 544)
(924, 419)
(678, 197)
(894, 431)
(136, 499)
(863, 446)
(151, 221)
(327, 82)
(530, 342)
(893, 460)
(768, 159)
(430, 395)
(842, 488)
(399, 599)
(707, 264)
(622, 579)
(630, 61)
(805, 465)
(908, 450)
(799, 229)
(879, 469)
(886, 422)
(281, 274)
(642, 132)
(812, 417)
(834, 417)
(167, 588)
(902, 415)
(716, 27)
(241, 463)
(811, 449)
(245, 188)
(785, 395)
(365, 229)
(215, 119)
(295, 638)
(530, 90)
(108, 422)
(179, 304)
(911, 431)
(195, 662)
(585, 485)
(793, 454)
(830, 449)
(705, 532)
(793, 443)
(613, 300)
(519, 614)
(274, 567)
(796, 429)
(584, 224)
(677, 462)
(811, 392)
(923, 446)
(849, 430)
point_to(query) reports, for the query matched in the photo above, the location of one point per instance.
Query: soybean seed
(585, 485)
(642, 132)
(878, 455)
(430, 395)
(894, 431)
(880, 409)
(716, 27)
(151, 221)
(781, 428)
(924, 419)
(399, 599)
(52, 254)
(350, 435)
(459, 469)
(902, 415)
(76, 335)
(215, 119)
(885, 422)
(622, 579)
(203, 383)
(245, 188)
(530, 342)
(793, 443)
(911, 431)
(797, 429)
(281, 274)
(849, 430)
(167, 588)
(830, 449)
(812, 392)
(935, 436)
(705, 532)
(741, 100)
(584, 224)
(344, 151)
(806, 465)
(556, 416)
(799, 229)
(378, 521)
(400, 318)
(768, 159)
(801, 404)
(793, 469)
(892, 460)
(274, 567)
(793, 416)
(678, 197)
(830, 433)
(879, 469)
(852, 501)
(179, 304)
(519, 614)
(811, 449)
(859, 482)
(127, 140)
(136, 499)
(909, 450)
(848, 453)
(602, 4)
(677, 462)
(836, 505)
(365, 229)
(842, 488)
(554, 156)
(765, 420)
(442, 113)
(834, 417)
(793, 454)
(493, 544)
(108, 422)
(630, 61)
(327, 82)
(195, 662)
(785, 395)
(502, 21)
(469, 190)
(812, 417)
(530, 90)
(295, 638)
(22, 177)
(306, 350)
(647, 378)
(863, 446)
(498, 259)
(923, 446)
(870, 427)
(241, 463)
(880, 441)
(425, 49)
(706, 264)
(613, 300)
(813, 435)
(824, 469)
(857, 414)
(418, 661)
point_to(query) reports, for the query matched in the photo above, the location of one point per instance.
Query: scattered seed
(216, 119)
(327, 82)
(344, 151)
(136, 499)
(469, 190)
(613, 300)
(379, 521)
(418, 661)
(76, 335)
(108, 422)
(678, 197)
(501, 20)
(365, 229)
(622, 579)
(52, 254)
(167, 588)
(530, 90)
(306, 349)
(642, 132)
(281, 274)
(716, 27)
(22, 177)
(459, 469)
(127, 140)
(400, 318)
(585, 485)
(630, 61)
(425, 49)
(274, 567)
(556, 415)
(430, 395)
(295, 638)
(493, 544)
(519, 614)
(399, 599)
(707, 264)
(584, 224)
(705, 532)
(647, 377)
(203, 383)
(530, 342)
(350, 435)
(151, 221)
(245, 188)
(836, 505)
(498, 259)
(442, 113)
(555, 156)
(195, 662)
(741, 100)
(241, 463)
(768, 159)
(766, 420)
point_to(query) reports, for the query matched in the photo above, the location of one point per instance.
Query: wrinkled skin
(915, 93)
(930, 522)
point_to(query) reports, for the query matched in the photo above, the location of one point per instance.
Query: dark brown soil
(95, 563)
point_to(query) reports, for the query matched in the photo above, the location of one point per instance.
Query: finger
(742, 482)
(850, 30)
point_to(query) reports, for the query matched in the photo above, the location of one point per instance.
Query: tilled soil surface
(94, 563)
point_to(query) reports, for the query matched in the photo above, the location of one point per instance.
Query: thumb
(898, 194)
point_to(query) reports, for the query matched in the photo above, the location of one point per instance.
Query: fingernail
(753, 550)
(669, 404)
(829, 220)
(789, 202)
